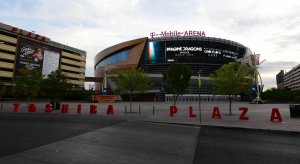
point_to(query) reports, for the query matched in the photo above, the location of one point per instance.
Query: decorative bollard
(153, 110)
(139, 109)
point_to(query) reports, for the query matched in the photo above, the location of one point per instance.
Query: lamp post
(199, 86)
(104, 69)
(104, 83)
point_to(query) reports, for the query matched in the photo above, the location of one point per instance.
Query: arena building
(200, 53)
(22, 49)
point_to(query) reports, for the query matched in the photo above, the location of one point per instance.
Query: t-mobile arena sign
(177, 33)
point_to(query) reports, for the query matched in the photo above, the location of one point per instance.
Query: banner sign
(29, 57)
(32, 55)
(51, 62)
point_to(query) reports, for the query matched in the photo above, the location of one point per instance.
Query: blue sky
(270, 28)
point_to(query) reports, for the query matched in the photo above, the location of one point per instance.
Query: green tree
(176, 79)
(29, 83)
(232, 79)
(55, 85)
(132, 81)
(281, 95)
(78, 94)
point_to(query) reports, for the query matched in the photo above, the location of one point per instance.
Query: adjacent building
(23, 49)
(279, 80)
(290, 79)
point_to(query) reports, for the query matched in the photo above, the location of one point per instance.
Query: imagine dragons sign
(177, 33)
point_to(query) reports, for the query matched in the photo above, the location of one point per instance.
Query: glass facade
(205, 54)
(121, 56)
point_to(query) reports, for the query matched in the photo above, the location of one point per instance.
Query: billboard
(34, 55)
(191, 51)
(181, 50)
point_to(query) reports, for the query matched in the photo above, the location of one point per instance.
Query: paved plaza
(259, 114)
(149, 136)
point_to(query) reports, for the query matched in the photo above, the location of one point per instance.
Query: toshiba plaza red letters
(275, 114)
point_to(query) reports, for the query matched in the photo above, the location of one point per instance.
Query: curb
(167, 123)
(274, 131)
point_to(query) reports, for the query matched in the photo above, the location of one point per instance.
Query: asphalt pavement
(23, 131)
(237, 145)
(125, 142)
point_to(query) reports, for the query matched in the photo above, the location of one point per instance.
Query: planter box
(295, 110)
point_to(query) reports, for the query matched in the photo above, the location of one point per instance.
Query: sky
(268, 28)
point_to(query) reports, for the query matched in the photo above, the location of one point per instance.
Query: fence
(204, 98)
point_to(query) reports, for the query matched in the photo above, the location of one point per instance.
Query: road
(231, 145)
(71, 138)
(24, 131)
(58, 138)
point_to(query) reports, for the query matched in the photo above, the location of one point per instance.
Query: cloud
(271, 29)
(270, 67)
(269, 70)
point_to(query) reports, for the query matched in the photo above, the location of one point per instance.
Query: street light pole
(104, 84)
(105, 71)
(199, 86)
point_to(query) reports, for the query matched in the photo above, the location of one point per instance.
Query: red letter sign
(32, 108)
(173, 110)
(79, 108)
(216, 113)
(16, 108)
(110, 110)
(65, 108)
(191, 113)
(93, 109)
(49, 108)
(276, 115)
(243, 114)
(14, 29)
